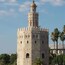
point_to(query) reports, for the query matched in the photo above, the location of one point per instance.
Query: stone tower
(32, 42)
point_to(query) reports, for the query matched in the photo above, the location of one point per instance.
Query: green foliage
(64, 29)
(55, 35)
(60, 59)
(51, 57)
(1, 63)
(6, 59)
(13, 58)
(38, 61)
(62, 36)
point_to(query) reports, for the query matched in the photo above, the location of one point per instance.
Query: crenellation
(24, 29)
(44, 29)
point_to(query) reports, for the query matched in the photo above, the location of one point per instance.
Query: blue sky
(13, 15)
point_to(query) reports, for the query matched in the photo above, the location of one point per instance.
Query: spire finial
(33, 1)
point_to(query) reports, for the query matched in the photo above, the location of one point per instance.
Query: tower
(33, 16)
(32, 42)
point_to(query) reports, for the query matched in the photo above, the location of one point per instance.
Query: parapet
(32, 28)
(44, 29)
(23, 29)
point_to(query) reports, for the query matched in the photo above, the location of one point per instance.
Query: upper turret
(33, 16)
(33, 7)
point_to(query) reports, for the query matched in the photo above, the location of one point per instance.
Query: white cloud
(45, 1)
(2, 0)
(9, 12)
(2, 12)
(24, 6)
(58, 2)
(9, 2)
(44, 11)
(54, 2)
(12, 10)
(12, 1)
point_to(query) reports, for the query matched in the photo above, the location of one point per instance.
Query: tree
(51, 57)
(5, 58)
(62, 38)
(59, 59)
(1, 63)
(38, 61)
(14, 63)
(64, 32)
(54, 37)
(64, 29)
(13, 58)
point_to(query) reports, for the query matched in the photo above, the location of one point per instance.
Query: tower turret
(33, 16)
(33, 7)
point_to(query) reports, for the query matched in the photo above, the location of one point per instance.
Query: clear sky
(13, 15)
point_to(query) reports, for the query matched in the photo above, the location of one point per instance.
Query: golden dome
(33, 4)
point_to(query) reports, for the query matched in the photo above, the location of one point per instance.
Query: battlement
(32, 28)
(44, 29)
(24, 29)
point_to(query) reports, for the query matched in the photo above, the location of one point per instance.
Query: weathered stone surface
(32, 42)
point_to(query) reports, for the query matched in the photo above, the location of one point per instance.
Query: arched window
(35, 42)
(27, 55)
(21, 42)
(27, 41)
(42, 42)
(42, 55)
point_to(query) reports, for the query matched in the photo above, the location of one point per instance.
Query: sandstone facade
(32, 42)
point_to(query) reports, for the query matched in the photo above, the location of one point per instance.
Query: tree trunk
(63, 46)
(57, 47)
(63, 51)
(54, 44)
